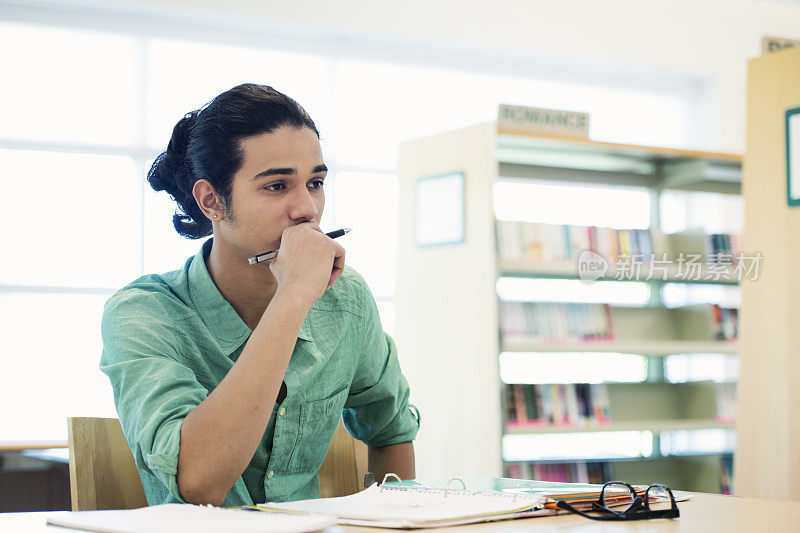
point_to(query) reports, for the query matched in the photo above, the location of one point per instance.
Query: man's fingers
(338, 259)
(338, 265)
(338, 251)
(314, 225)
(334, 276)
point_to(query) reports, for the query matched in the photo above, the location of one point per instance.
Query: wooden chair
(345, 466)
(103, 475)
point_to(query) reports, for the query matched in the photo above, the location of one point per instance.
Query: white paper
(176, 518)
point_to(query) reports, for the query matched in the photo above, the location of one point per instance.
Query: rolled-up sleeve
(153, 391)
(377, 411)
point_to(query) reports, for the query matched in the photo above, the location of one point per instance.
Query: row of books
(726, 474)
(580, 472)
(596, 472)
(573, 404)
(537, 321)
(726, 402)
(724, 323)
(722, 248)
(560, 242)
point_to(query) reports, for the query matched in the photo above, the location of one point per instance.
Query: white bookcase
(448, 323)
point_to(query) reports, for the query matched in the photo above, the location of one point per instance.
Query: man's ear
(206, 198)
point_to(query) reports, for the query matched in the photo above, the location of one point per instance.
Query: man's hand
(308, 261)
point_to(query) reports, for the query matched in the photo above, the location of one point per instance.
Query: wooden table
(706, 513)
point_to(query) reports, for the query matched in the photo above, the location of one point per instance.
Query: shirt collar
(218, 315)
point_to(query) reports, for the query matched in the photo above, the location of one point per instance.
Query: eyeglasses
(636, 505)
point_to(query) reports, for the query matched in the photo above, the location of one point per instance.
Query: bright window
(717, 367)
(51, 348)
(183, 75)
(581, 205)
(711, 212)
(80, 214)
(68, 86)
(521, 367)
(698, 441)
(684, 294)
(578, 446)
(622, 293)
(367, 202)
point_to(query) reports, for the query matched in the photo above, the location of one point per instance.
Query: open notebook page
(415, 506)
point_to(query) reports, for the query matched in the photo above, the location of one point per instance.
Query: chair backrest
(103, 475)
(102, 472)
(345, 465)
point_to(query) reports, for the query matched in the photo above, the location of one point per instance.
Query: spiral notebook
(398, 506)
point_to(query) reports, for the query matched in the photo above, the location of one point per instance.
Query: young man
(230, 378)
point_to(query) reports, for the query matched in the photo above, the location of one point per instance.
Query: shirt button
(281, 411)
(271, 474)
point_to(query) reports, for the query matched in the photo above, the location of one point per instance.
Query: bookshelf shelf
(655, 456)
(643, 347)
(605, 162)
(507, 138)
(569, 270)
(655, 426)
(455, 357)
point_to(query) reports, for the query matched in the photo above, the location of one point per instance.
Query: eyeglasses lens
(655, 495)
(617, 496)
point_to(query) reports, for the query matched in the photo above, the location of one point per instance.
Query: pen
(266, 256)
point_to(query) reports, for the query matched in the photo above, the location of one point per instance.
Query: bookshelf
(450, 323)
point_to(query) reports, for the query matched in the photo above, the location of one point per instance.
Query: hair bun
(171, 170)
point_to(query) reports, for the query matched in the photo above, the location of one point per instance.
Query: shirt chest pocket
(318, 422)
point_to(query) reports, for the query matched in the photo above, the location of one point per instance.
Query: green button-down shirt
(169, 339)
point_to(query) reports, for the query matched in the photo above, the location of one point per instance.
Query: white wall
(709, 39)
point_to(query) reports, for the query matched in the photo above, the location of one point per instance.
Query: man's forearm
(395, 458)
(219, 437)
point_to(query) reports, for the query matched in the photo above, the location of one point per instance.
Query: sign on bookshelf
(439, 210)
(775, 44)
(793, 156)
(540, 120)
